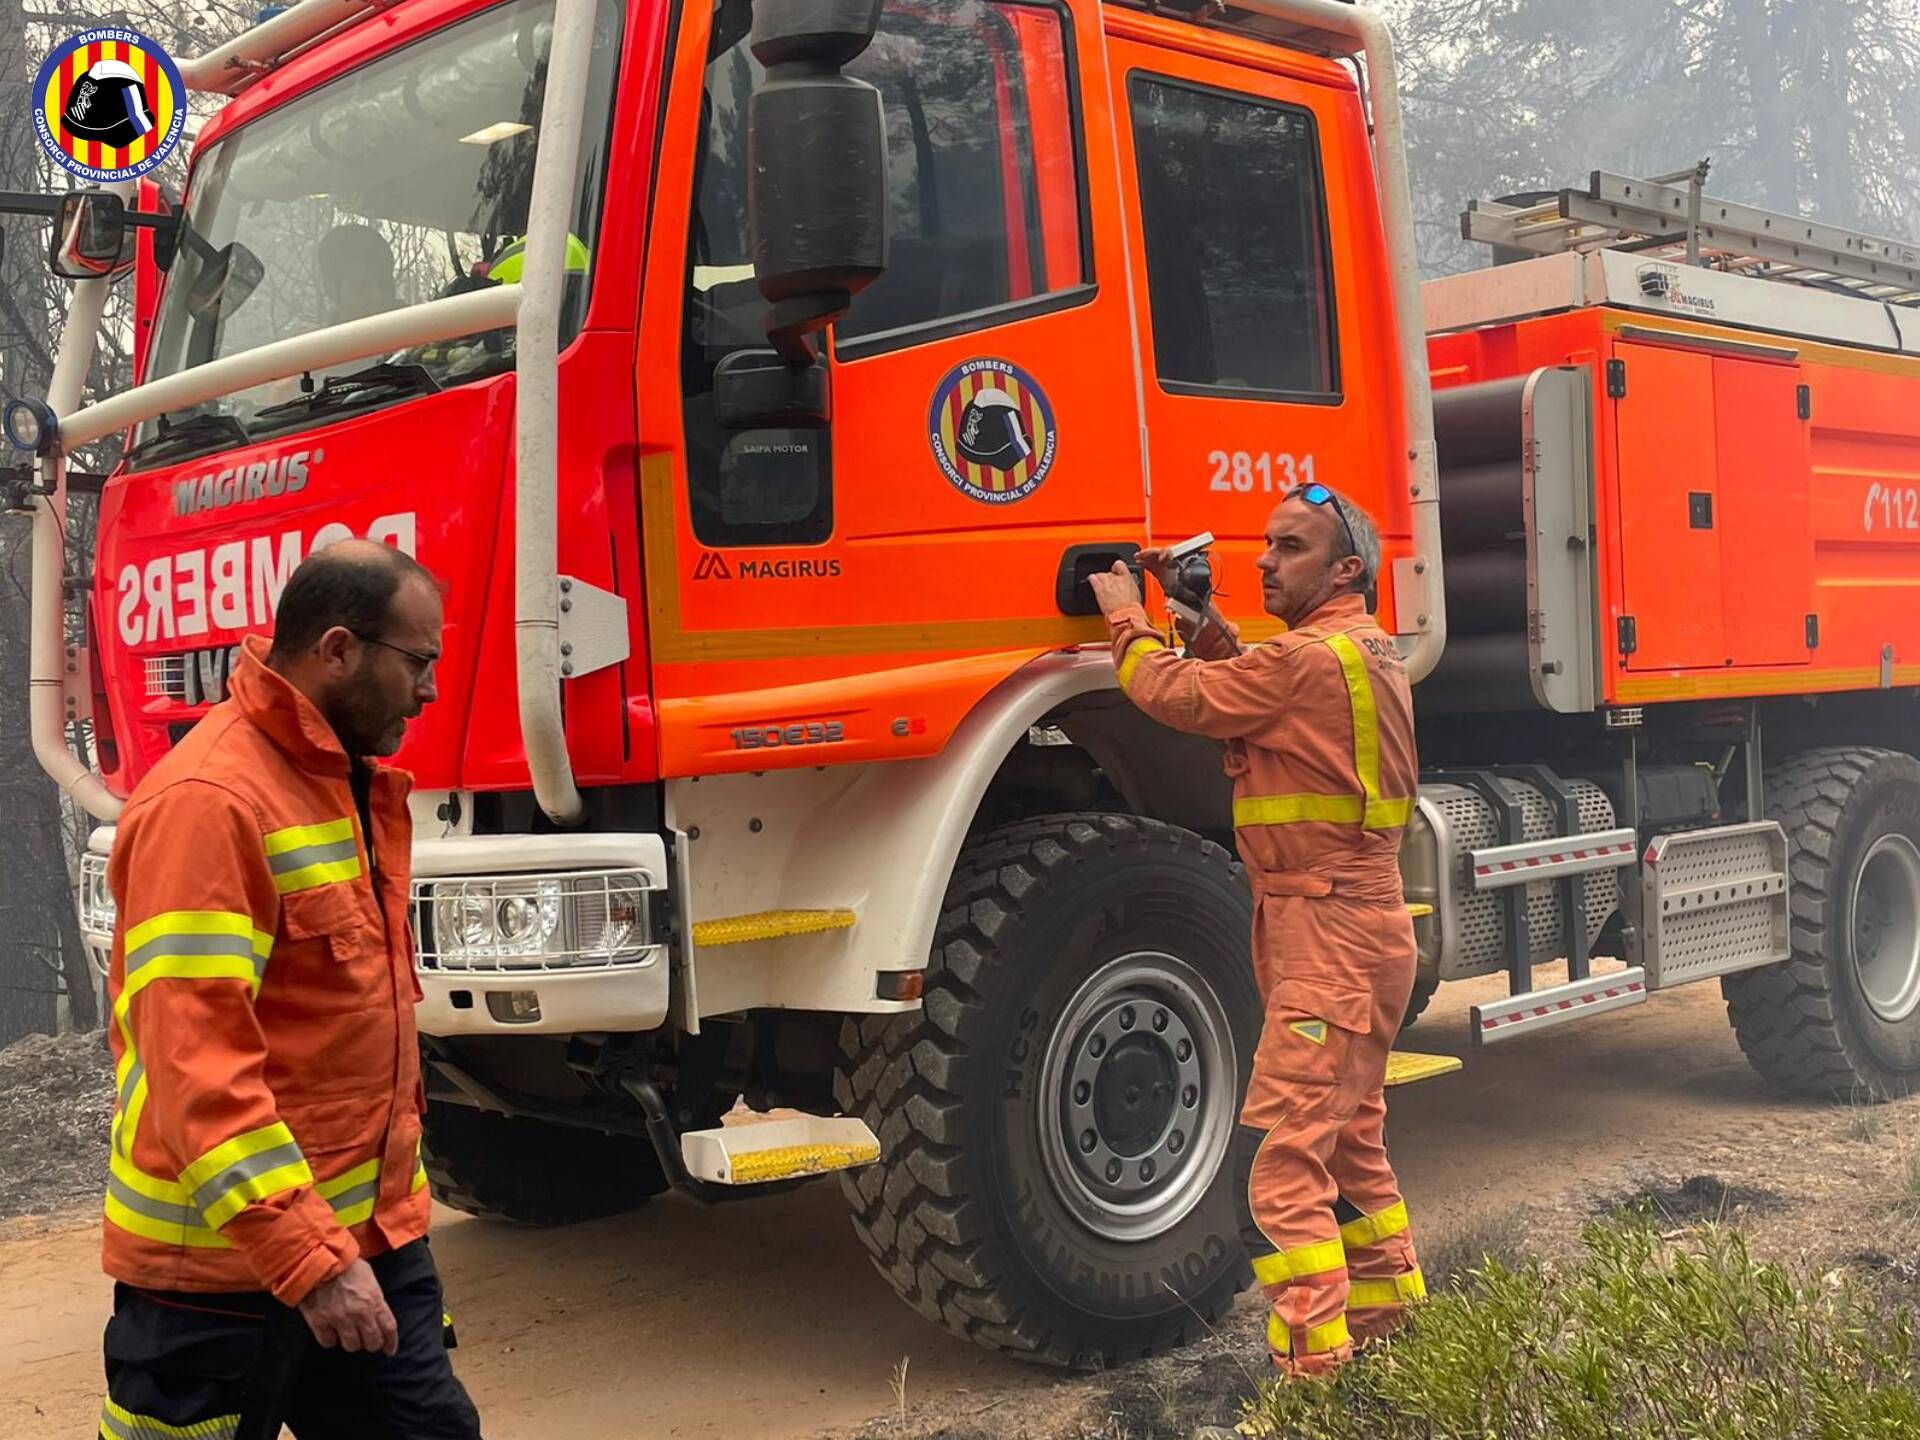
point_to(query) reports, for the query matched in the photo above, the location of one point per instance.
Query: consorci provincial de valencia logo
(109, 105)
(992, 431)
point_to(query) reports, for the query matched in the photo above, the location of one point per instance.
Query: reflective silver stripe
(358, 1195)
(167, 1213)
(249, 1168)
(290, 860)
(195, 945)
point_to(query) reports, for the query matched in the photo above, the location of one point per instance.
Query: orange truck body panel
(878, 643)
(1731, 531)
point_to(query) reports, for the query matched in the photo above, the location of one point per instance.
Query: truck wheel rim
(1137, 1096)
(1886, 928)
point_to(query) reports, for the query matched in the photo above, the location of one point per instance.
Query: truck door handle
(1070, 589)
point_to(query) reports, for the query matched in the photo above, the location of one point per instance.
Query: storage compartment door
(1669, 508)
(1765, 519)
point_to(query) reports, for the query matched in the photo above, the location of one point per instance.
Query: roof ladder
(1671, 218)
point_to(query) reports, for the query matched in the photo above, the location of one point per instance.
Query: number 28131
(1239, 471)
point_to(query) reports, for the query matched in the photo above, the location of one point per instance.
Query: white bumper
(464, 994)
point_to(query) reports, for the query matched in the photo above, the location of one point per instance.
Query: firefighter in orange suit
(266, 1208)
(1318, 725)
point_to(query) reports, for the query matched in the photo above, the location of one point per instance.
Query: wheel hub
(1134, 1080)
(1139, 1080)
(1886, 927)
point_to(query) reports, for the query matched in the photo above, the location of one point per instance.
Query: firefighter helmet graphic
(992, 431)
(109, 105)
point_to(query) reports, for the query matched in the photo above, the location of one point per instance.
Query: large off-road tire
(1059, 1174)
(531, 1172)
(1842, 1017)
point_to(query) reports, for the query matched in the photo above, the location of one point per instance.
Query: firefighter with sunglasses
(1318, 727)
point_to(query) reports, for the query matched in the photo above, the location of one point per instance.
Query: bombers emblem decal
(109, 105)
(992, 431)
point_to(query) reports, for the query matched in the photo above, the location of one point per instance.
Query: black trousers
(191, 1366)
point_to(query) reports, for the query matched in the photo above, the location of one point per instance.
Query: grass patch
(1637, 1339)
(1863, 1123)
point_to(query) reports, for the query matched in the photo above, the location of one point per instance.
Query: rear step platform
(1523, 1014)
(765, 1150)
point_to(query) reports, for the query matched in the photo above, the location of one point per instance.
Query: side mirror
(224, 280)
(816, 165)
(91, 238)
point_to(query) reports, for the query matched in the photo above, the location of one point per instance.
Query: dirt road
(765, 1319)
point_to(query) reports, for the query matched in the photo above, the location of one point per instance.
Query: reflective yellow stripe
(1130, 661)
(1299, 810)
(1284, 1265)
(1367, 809)
(170, 1191)
(176, 945)
(119, 1423)
(1371, 1229)
(190, 922)
(1400, 1290)
(161, 1231)
(1320, 1339)
(303, 857)
(248, 1168)
(354, 1193)
(297, 837)
(347, 1179)
(1366, 721)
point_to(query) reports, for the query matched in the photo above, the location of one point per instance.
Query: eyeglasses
(1318, 494)
(421, 663)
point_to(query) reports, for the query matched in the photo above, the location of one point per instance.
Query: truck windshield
(404, 181)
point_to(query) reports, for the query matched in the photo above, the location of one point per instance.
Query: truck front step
(754, 1154)
(1523, 1014)
(1406, 1067)
(768, 925)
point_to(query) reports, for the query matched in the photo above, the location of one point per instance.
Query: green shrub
(1639, 1339)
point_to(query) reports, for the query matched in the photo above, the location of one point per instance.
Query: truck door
(1258, 253)
(983, 401)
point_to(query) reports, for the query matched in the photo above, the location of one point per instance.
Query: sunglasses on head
(1318, 494)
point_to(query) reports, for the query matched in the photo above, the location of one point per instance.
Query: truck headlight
(96, 899)
(534, 921)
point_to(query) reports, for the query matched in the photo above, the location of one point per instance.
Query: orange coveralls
(266, 1130)
(1318, 725)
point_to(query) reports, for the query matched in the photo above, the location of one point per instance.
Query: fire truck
(764, 377)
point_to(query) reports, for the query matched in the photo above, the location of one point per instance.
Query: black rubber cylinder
(1486, 591)
(1478, 675)
(1478, 424)
(1480, 505)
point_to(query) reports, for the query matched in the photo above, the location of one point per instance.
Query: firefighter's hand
(1114, 589)
(350, 1312)
(1156, 564)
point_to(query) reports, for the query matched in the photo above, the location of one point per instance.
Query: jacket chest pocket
(334, 923)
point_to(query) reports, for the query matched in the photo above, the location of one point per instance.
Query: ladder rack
(1670, 218)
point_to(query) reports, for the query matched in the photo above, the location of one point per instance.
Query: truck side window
(986, 213)
(1233, 215)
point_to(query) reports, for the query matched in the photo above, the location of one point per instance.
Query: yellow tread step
(769, 925)
(1404, 1067)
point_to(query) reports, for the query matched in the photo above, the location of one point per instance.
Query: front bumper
(464, 993)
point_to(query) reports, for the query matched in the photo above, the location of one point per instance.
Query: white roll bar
(533, 306)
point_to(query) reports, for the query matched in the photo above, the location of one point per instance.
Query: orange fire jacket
(1319, 729)
(266, 1127)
